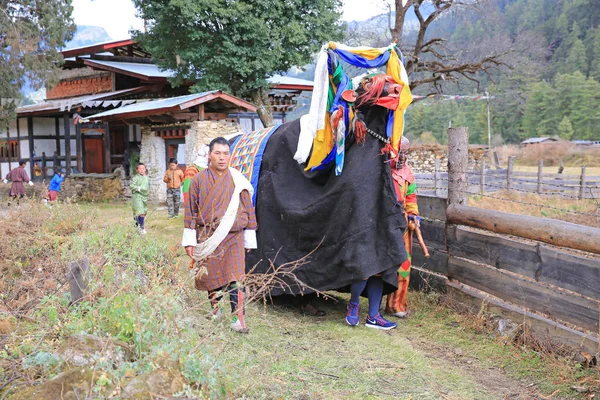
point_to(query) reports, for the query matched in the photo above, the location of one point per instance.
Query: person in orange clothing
(406, 190)
(173, 178)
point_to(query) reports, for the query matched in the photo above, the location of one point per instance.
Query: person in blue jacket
(54, 187)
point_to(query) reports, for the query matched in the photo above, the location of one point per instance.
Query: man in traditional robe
(219, 223)
(18, 176)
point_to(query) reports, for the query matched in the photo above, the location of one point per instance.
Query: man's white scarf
(207, 247)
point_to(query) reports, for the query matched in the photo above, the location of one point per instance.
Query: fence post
(436, 177)
(582, 183)
(540, 176)
(509, 171)
(482, 178)
(43, 165)
(496, 160)
(458, 160)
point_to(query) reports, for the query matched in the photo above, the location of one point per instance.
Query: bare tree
(429, 60)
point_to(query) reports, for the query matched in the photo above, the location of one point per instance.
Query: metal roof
(112, 46)
(51, 106)
(538, 140)
(138, 70)
(153, 107)
(287, 80)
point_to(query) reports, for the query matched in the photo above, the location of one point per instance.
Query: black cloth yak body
(352, 223)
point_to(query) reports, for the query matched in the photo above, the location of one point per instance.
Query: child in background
(173, 178)
(140, 188)
(54, 186)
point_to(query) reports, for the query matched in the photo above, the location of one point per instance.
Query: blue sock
(141, 221)
(356, 289)
(375, 293)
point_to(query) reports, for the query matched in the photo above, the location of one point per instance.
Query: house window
(9, 150)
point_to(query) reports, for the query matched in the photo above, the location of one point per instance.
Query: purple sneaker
(352, 314)
(378, 322)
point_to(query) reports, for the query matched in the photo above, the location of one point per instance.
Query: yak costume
(324, 192)
(350, 223)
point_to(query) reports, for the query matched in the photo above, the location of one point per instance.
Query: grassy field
(143, 297)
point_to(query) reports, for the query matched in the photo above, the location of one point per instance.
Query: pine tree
(577, 59)
(565, 129)
(31, 32)
(594, 54)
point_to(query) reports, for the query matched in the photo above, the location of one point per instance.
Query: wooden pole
(582, 183)
(436, 177)
(540, 177)
(78, 146)
(106, 149)
(8, 149)
(496, 160)
(482, 178)
(31, 144)
(509, 171)
(552, 231)
(67, 124)
(18, 139)
(458, 159)
(57, 131)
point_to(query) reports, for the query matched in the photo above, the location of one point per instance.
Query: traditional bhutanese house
(48, 133)
(99, 78)
(177, 127)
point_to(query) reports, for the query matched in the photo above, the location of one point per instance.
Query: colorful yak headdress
(331, 117)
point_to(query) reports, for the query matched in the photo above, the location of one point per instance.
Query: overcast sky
(118, 16)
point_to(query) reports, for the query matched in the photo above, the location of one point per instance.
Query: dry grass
(144, 286)
(534, 205)
(551, 154)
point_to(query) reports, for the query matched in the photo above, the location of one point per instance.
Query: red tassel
(360, 131)
(336, 119)
(388, 149)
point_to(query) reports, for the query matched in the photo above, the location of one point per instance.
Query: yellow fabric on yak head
(324, 141)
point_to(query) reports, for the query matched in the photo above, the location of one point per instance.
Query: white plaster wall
(42, 127)
(6, 170)
(12, 126)
(152, 154)
(24, 144)
(44, 145)
(62, 148)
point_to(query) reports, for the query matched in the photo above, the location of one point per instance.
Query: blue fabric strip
(258, 160)
(389, 129)
(359, 61)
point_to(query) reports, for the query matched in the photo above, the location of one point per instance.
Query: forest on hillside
(549, 84)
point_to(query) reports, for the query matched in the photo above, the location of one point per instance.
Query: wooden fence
(542, 183)
(541, 272)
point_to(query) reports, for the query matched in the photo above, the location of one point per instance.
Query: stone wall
(202, 132)
(422, 158)
(153, 150)
(92, 187)
(153, 155)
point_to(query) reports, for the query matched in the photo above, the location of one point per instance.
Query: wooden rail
(539, 272)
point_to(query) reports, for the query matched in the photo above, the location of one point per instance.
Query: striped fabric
(407, 195)
(227, 263)
(247, 152)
